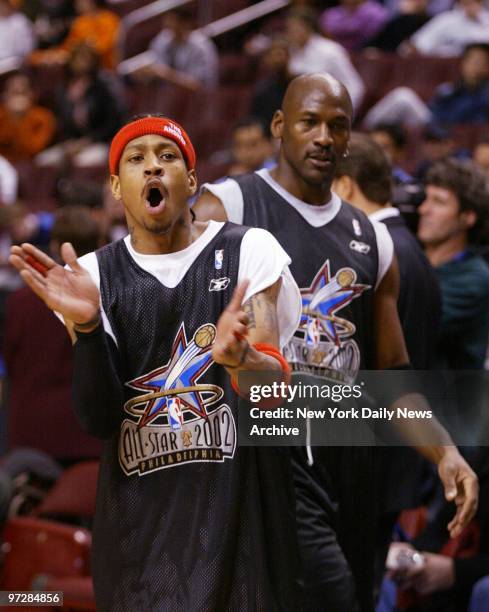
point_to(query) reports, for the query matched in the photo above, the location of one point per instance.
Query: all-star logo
(188, 362)
(321, 302)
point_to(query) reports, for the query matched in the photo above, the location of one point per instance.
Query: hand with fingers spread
(230, 346)
(72, 292)
(461, 486)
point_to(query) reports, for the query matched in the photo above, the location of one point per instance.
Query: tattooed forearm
(261, 309)
(249, 309)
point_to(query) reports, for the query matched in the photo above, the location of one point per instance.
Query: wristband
(268, 349)
(83, 327)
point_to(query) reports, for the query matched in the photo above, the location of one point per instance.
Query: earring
(346, 153)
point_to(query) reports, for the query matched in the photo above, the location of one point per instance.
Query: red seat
(36, 551)
(73, 493)
(47, 555)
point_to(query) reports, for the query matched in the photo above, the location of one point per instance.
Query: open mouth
(154, 194)
(154, 197)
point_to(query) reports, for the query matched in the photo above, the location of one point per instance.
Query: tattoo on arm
(249, 309)
(261, 309)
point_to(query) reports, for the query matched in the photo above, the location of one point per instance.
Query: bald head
(320, 86)
(313, 127)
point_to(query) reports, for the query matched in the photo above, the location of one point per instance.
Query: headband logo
(175, 131)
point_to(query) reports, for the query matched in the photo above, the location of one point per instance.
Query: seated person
(409, 17)
(481, 155)
(442, 575)
(252, 147)
(463, 101)
(95, 25)
(25, 128)
(447, 34)
(88, 112)
(353, 22)
(181, 56)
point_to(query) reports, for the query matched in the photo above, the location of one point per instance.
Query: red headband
(150, 125)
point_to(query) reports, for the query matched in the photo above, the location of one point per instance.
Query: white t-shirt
(262, 262)
(16, 36)
(9, 181)
(320, 54)
(229, 192)
(447, 34)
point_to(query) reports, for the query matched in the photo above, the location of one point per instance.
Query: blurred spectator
(434, 6)
(182, 57)
(25, 128)
(463, 101)
(52, 22)
(269, 92)
(437, 144)
(95, 26)
(447, 34)
(393, 139)
(481, 155)
(353, 22)
(38, 356)
(411, 15)
(9, 181)
(310, 52)
(479, 602)
(16, 34)
(252, 147)
(88, 114)
(407, 192)
(447, 571)
(454, 219)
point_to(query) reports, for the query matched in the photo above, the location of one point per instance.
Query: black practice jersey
(336, 268)
(185, 520)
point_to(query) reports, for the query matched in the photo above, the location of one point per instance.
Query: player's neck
(443, 252)
(365, 205)
(316, 195)
(177, 238)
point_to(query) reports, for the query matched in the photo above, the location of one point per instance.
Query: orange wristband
(272, 351)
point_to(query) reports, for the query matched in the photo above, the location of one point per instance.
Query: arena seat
(37, 186)
(237, 69)
(49, 555)
(73, 494)
(156, 97)
(138, 38)
(382, 72)
(36, 550)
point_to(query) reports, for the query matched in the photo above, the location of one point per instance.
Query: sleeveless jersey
(336, 268)
(185, 520)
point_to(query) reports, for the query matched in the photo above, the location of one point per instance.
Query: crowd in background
(64, 93)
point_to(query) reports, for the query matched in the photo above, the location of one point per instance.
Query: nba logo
(218, 258)
(175, 415)
(312, 332)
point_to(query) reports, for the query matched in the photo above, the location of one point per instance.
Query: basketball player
(364, 179)
(185, 520)
(333, 245)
